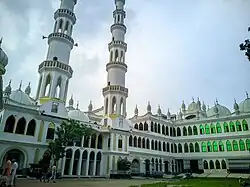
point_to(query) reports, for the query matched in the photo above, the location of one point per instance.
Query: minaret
(115, 93)
(55, 71)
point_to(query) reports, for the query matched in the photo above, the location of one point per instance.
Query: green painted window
(242, 145)
(209, 147)
(195, 130)
(238, 126)
(202, 129)
(190, 131)
(191, 148)
(197, 148)
(207, 129)
(218, 127)
(184, 131)
(232, 126)
(235, 145)
(215, 146)
(229, 145)
(221, 146)
(203, 147)
(213, 130)
(245, 125)
(226, 128)
(248, 144)
(185, 148)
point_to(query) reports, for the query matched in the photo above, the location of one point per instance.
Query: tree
(67, 132)
(246, 47)
(123, 164)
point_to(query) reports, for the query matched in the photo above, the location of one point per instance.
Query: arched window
(106, 106)
(141, 127)
(218, 127)
(136, 126)
(122, 107)
(178, 131)
(114, 105)
(163, 129)
(195, 131)
(135, 141)
(145, 126)
(66, 28)
(248, 144)
(156, 145)
(211, 164)
(238, 126)
(143, 143)
(167, 131)
(207, 128)
(184, 131)
(10, 124)
(221, 146)
(185, 148)
(152, 126)
(164, 146)
(159, 128)
(217, 164)
(205, 164)
(167, 147)
(47, 85)
(116, 55)
(155, 128)
(152, 145)
(179, 148)
(191, 148)
(197, 147)
(235, 145)
(223, 164)
(213, 130)
(232, 126)
(226, 128)
(130, 140)
(159, 145)
(50, 132)
(60, 25)
(203, 147)
(202, 129)
(242, 145)
(209, 147)
(215, 146)
(229, 145)
(245, 125)
(139, 142)
(20, 127)
(190, 131)
(111, 56)
(148, 144)
(31, 128)
(174, 132)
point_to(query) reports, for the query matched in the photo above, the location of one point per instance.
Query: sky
(176, 49)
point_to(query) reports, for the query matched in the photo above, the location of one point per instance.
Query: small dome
(183, 106)
(71, 101)
(192, 106)
(20, 97)
(159, 110)
(78, 115)
(3, 57)
(90, 107)
(149, 107)
(222, 111)
(28, 89)
(244, 106)
(136, 111)
(8, 89)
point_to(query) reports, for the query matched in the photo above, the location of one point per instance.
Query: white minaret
(115, 93)
(55, 71)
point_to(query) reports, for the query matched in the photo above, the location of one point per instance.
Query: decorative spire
(90, 106)
(168, 114)
(193, 99)
(198, 103)
(20, 85)
(183, 106)
(180, 115)
(149, 107)
(247, 95)
(71, 101)
(216, 110)
(28, 89)
(216, 101)
(8, 89)
(159, 110)
(236, 106)
(136, 110)
(77, 105)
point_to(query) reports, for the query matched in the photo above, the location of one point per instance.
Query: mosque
(205, 140)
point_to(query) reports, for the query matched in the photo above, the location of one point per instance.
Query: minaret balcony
(65, 13)
(119, 11)
(115, 89)
(117, 43)
(51, 65)
(62, 36)
(116, 64)
(118, 26)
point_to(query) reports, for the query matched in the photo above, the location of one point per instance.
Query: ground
(127, 183)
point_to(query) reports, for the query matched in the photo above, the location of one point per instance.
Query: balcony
(62, 36)
(65, 13)
(115, 88)
(117, 43)
(119, 11)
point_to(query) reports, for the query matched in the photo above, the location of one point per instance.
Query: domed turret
(28, 89)
(204, 108)
(180, 115)
(8, 90)
(218, 110)
(183, 106)
(136, 111)
(149, 108)
(3, 59)
(159, 110)
(71, 101)
(198, 104)
(192, 106)
(90, 107)
(244, 106)
(168, 114)
(236, 107)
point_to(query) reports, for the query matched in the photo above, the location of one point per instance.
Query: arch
(213, 129)
(116, 55)
(238, 126)
(75, 162)
(242, 145)
(232, 126)
(139, 142)
(31, 128)
(68, 158)
(207, 129)
(195, 130)
(145, 126)
(223, 164)
(167, 131)
(136, 126)
(215, 146)
(106, 105)
(185, 148)
(172, 148)
(184, 131)
(211, 164)
(156, 145)
(174, 132)
(58, 87)
(167, 147)
(114, 105)
(122, 57)
(152, 126)
(66, 28)
(93, 141)
(98, 164)
(140, 126)
(51, 132)
(203, 147)
(226, 128)
(100, 140)
(205, 164)
(245, 125)
(217, 164)
(248, 144)
(202, 131)
(152, 145)
(84, 162)
(178, 131)
(190, 131)
(130, 140)
(163, 129)
(155, 128)
(209, 147)
(135, 166)
(179, 148)
(164, 146)
(91, 163)
(229, 145)
(159, 145)
(135, 141)
(122, 107)
(159, 128)
(111, 56)
(235, 145)
(60, 25)
(41, 129)
(218, 128)
(191, 148)
(148, 144)
(221, 146)
(143, 143)
(47, 85)
(10, 124)
(197, 147)
(16, 154)
(20, 127)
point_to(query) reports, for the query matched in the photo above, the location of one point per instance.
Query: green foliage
(65, 133)
(123, 164)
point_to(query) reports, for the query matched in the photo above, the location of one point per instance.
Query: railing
(61, 35)
(55, 64)
(65, 12)
(117, 42)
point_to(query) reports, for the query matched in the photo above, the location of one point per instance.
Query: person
(53, 173)
(14, 168)
(7, 171)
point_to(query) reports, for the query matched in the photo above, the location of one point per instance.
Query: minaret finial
(20, 85)
(193, 99)
(77, 105)
(216, 101)
(10, 82)
(247, 95)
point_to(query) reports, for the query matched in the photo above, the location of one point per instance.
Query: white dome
(222, 111)
(3, 57)
(78, 115)
(244, 106)
(20, 97)
(192, 106)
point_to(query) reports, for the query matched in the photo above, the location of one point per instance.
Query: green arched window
(248, 144)
(209, 147)
(245, 125)
(226, 128)
(232, 126)
(190, 131)
(218, 127)
(242, 145)
(203, 147)
(184, 131)
(229, 145)
(207, 129)
(238, 126)
(221, 146)
(195, 130)
(235, 145)
(215, 146)
(196, 147)
(191, 148)
(185, 148)
(202, 129)
(213, 130)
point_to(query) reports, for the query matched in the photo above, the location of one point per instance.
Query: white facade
(197, 138)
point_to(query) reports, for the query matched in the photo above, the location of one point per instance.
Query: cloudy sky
(176, 49)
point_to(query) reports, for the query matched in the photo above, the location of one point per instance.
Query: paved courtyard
(83, 183)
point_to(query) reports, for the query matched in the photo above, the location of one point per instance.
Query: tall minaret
(115, 93)
(55, 71)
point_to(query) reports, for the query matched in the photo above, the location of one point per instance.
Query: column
(110, 163)
(71, 163)
(87, 165)
(96, 141)
(94, 168)
(111, 141)
(82, 142)
(89, 143)
(163, 165)
(63, 165)
(79, 165)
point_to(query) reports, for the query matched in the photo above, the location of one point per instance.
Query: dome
(3, 58)
(20, 97)
(192, 106)
(244, 106)
(222, 111)
(78, 115)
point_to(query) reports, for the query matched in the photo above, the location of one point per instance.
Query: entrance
(14, 154)
(194, 166)
(147, 167)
